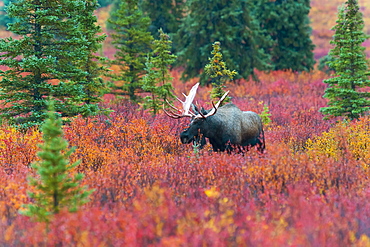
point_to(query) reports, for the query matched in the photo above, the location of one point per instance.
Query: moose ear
(194, 108)
(204, 111)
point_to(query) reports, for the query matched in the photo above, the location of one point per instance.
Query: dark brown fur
(229, 127)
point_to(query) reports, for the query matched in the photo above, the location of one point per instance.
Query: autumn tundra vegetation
(89, 157)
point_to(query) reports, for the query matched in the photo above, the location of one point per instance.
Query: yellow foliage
(225, 210)
(349, 140)
(364, 241)
(17, 147)
(212, 193)
(155, 194)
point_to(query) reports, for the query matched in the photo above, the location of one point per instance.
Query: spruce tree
(217, 70)
(103, 3)
(165, 15)
(4, 17)
(324, 64)
(46, 61)
(55, 187)
(93, 65)
(345, 91)
(157, 81)
(286, 23)
(230, 23)
(133, 42)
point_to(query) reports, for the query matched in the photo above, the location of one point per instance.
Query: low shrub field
(309, 188)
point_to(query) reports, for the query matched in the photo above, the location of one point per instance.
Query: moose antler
(185, 112)
(214, 109)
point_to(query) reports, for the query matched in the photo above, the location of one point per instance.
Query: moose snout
(185, 138)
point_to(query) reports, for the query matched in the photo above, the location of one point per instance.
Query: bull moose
(225, 127)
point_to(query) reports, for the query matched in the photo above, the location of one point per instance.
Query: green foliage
(286, 23)
(93, 85)
(165, 14)
(230, 23)
(265, 115)
(4, 17)
(133, 42)
(103, 3)
(55, 186)
(218, 91)
(217, 70)
(157, 81)
(351, 67)
(48, 60)
(323, 64)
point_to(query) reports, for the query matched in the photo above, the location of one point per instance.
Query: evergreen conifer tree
(218, 71)
(55, 187)
(4, 17)
(324, 64)
(345, 91)
(165, 15)
(46, 61)
(230, 23)
(286, 22)
(157, 81)
(133, 43)
(92, 65)
(103, 3)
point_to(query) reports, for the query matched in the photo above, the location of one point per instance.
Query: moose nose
(184, 138)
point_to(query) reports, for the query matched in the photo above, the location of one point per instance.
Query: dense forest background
(323, 15)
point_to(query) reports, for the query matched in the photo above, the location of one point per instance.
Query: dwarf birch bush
(344, 139)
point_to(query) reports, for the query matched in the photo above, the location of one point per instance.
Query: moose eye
(196, 120)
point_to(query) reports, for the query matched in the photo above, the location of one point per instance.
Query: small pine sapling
(54, 188)
(265, 115)
(217, 70)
